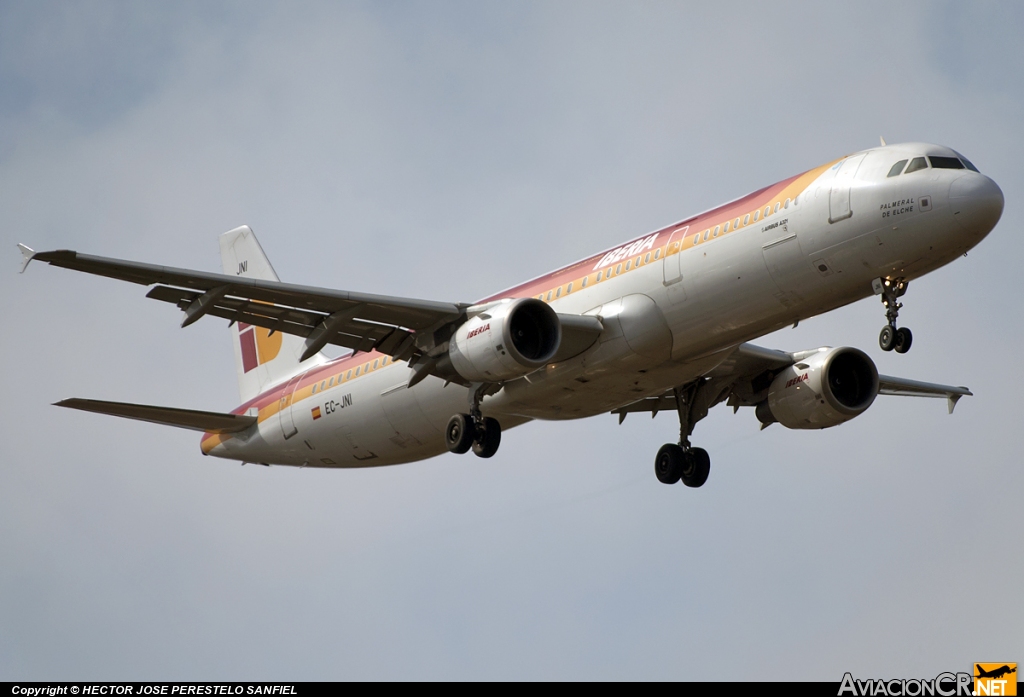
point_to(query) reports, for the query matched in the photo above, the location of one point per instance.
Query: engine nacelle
(823, 390)
(507, 341)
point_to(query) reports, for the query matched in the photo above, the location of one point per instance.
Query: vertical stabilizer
(262, 358)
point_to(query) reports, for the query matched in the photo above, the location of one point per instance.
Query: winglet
(952, 400)
(27, 255)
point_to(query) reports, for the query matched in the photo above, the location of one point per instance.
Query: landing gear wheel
(903, 340)
(887, 338)
(697, 468)
(487, 439)
(668, 465)
(460, 433)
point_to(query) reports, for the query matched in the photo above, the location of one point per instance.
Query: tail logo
(259, 346)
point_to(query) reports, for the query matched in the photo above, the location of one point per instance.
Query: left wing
(744, 376)
(912, 388)
(399, 327)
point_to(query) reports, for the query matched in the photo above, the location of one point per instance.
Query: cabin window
(568, 288)
(657, 253)
(357, 370)
(777, 207)
(323, 385)
(786, 204)
(746, 219)
(706, 233)
(726, 228)
(583, 283)
(600, 275)
(647, 258)
(696, 239)
(757, 216)
(618, 269)
(629, 265)
(916, 164)
(717, 228)
(314, 390)
(330, 383)
(385, 361)
(349, 376)
(895, 170)
(946, 162)
(736, 223)
(558, 293)
(767, 211)
(375, 364)
(637, 262)
(549, 296)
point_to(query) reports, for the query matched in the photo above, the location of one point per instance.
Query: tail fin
(262, 358)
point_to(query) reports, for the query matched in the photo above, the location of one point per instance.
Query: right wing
(403, 328)
(399, 327)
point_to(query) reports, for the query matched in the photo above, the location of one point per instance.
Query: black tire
(887, 338)
(668, 465)
(903, 340)
(488, 440)
(459, 434)
(697, 469)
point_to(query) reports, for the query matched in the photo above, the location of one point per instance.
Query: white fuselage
(691, 292)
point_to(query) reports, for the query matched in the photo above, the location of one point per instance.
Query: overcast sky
(445, 151)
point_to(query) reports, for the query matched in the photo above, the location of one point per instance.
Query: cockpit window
(916, 164)
(896, 168)
(946, 162)
(967, 163)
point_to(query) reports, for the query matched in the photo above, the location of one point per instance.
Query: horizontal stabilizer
(205, 421)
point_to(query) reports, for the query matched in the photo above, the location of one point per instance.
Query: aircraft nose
(976, 202)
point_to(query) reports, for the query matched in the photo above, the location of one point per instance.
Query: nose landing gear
(473, 431)
(891, 338)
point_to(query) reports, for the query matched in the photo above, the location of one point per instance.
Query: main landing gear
(891, 338)
(473, 431)
(683, 462)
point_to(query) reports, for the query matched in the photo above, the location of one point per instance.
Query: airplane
(662, 322)
(996, 673)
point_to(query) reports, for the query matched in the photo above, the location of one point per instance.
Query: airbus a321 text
(659, 323)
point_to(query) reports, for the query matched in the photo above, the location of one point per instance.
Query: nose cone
(976, 202)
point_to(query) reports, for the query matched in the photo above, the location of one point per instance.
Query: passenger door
(839, 198)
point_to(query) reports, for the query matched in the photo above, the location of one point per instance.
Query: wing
(399, 327)
(746, 372)
(912, 388)
(404, 328)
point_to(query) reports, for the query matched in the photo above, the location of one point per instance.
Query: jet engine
(507, 341)
(822, 390)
